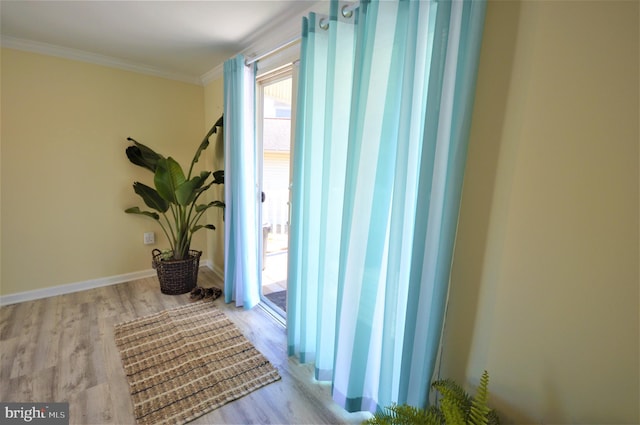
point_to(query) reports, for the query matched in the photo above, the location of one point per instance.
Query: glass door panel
(275, 130)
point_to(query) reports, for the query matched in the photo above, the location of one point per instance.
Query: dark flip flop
(212, 293)
(197, 293)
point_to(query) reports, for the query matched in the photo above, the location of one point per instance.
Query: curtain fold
(384, 111)
(458, 30)
(242, 277)
(324, 99)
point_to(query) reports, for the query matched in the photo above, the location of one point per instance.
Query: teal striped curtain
(384, 110)
(242, 278)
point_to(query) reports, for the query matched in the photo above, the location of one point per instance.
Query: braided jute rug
(187, 361)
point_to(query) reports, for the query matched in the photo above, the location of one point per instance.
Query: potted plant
(455, 407)
(176, 205)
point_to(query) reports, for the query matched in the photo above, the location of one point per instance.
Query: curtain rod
(272, 51)
(347, 11)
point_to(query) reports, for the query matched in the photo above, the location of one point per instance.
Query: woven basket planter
(177, 276)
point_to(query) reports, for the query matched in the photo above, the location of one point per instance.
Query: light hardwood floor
(62, 349)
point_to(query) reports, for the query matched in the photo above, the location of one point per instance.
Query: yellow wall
(213, 107)
(544, 290)
(65, 177)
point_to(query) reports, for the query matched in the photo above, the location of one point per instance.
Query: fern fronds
(452, 389)
(455, 402)
(437, 413)
(404, 414)
(494, 419)
(452, 411)
(455, 407)
(479, 414)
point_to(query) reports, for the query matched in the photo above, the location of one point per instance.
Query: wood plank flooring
(62, 349)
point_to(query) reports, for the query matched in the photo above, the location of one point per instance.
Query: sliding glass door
(274, 114)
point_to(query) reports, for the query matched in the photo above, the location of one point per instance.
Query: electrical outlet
(149, 238)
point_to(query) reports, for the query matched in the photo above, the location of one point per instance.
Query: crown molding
(277, 33)
(93, 58)
(214, 74)
(280, 31)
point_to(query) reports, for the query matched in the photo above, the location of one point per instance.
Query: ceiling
(182, 38)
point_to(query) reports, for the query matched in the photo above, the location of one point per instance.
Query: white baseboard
(73, 287)
(37, 294)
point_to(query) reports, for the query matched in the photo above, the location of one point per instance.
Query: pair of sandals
(199, 293)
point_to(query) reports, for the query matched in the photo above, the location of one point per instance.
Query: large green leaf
(151, 197)
(199, 226)
(186, 193)
(203, 207)
(204, 175)
(142, 155)
(136, 210)
(169, 176)
(219, 123)
(203, 145)
(198, 181)
(218, 177)
(204, 188)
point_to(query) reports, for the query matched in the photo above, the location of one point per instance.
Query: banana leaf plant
(175, 196)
